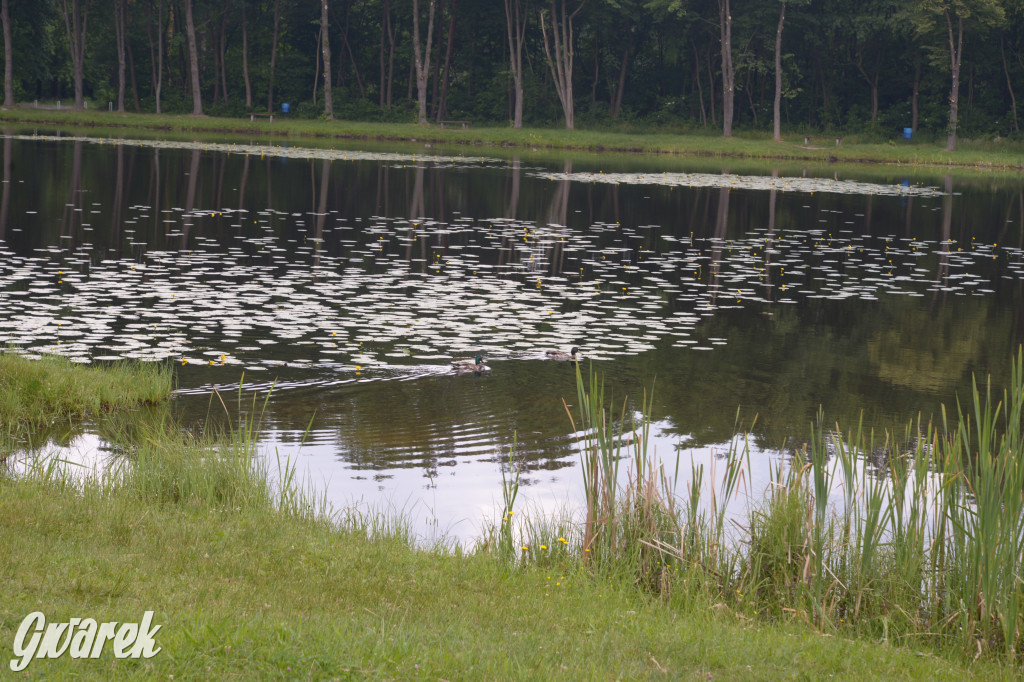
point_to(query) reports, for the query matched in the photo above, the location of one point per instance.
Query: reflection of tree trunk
(513, 199)
(416, 209)
(116, 214)
(869, 214)
(558, 213)
(615, 202)
(270, 194)
(942, 274)
(721, 230)
(154, 194)
(190, 197)
(5, 198)
(241, 186)
(321, 213)
(771, 234)
(910, 213)
(74, 192)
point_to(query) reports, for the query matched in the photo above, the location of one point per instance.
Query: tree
(728, 70)
(5, 16)
(245, 57)
(193, 60)
(273, 55)
(777, 102)
(935, 15)
(326, 46)
(421, 55)
(119, 37)
(75, 19)
(558, 50)
(515, 25)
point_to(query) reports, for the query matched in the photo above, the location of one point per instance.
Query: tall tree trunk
(193, 60)
(442, 105)
(325, 43)
(119, 40)
(917, 89)
(156, 54)
(515, 25)
(558, 49)
(223, 52)
(955, 54)
(620, 87)
(421, 55)
(131, 63)
(871, 79)
(700, 88)
(75, 20)
(728, 71)
(245, 59)
(1009, 82)
(777, 104)
(5, 16)
(273, 55)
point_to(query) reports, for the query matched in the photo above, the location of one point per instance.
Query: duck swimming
(562, 356)
(467, 366)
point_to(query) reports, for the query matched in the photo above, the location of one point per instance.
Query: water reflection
(352, 282)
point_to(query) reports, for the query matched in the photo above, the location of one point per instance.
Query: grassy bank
(982, 155)
(252, 579)
(249, 583)
(39, 393)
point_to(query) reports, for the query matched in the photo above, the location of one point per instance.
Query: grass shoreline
(974, 155)
(250, 578)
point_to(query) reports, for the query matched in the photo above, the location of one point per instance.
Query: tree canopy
(872, 66)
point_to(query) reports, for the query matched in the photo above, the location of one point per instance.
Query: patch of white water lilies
(755, 182)
(262, 150)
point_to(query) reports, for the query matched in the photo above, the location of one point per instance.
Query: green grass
(974, 154)
(246, 588)
(251, 578)
(35, 393)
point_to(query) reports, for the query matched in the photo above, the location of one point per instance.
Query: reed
(913, 536)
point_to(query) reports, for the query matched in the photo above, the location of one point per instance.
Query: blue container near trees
(286, 108)
(908, 133)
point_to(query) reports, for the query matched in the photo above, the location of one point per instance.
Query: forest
(871, 67)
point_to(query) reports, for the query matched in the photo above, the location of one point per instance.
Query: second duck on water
(563, 356)
(467, 366)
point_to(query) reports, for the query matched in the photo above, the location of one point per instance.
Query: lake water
(349, 279)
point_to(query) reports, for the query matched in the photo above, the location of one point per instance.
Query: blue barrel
(908, 133)
(286, 108)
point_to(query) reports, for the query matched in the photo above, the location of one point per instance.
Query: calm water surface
(349, 280)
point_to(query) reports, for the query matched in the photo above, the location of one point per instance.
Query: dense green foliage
(870, 67)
